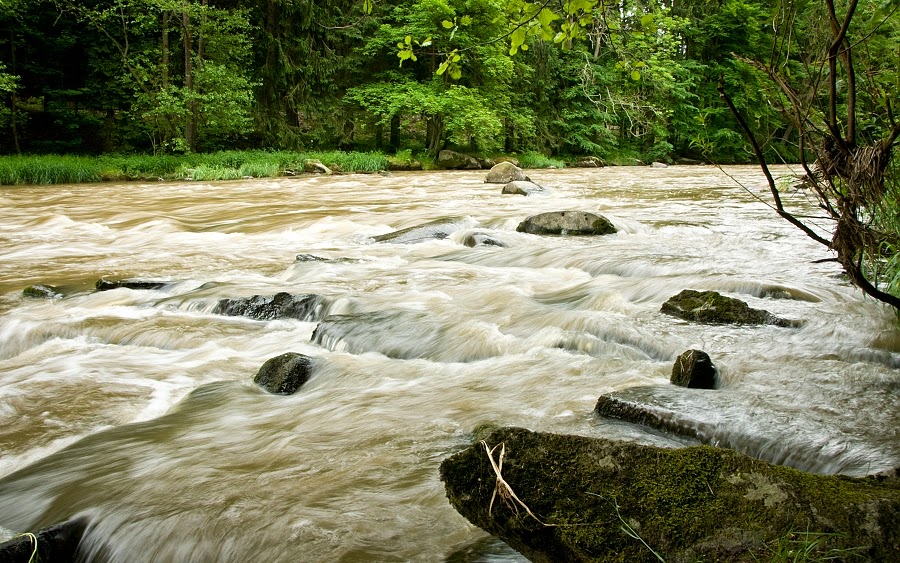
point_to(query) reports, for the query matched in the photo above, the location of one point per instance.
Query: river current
(137, 409)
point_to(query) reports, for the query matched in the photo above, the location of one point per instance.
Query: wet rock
(58, 543)
(303, 307)
(284, 374)
(313, 166)
(106, 285)
(481, 239)
(566, 223)
(42, 291)
(714, 308)
(511, 159)
(452, 160)
(310, 258)
(504, 173)
(433, 230)
(694, 369)
(659, 165)
(521, 187)
(687, 504)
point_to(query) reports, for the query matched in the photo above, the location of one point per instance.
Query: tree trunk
(14, 101)
(190, 126)
(395, 132)
(165, 49)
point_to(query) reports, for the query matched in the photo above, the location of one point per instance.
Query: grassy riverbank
(225, 165)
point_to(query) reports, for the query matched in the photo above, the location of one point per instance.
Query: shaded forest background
(633, 81)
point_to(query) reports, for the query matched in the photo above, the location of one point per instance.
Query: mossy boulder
(504, 173)
(714, 308)
(57, 543)
(303, 307)
(42, 291)
(695, 369)
(566, 223)
(521, 187)
(284, 374)
(592, 499)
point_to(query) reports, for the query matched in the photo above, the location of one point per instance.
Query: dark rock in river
(592, 499)
(284, 374)
(303, 307)
(481, 239)
(452, 160)
(106, 285)
(58, 544)
(41, 291)
(566, 223)
(694, 369)
(434, 230)
(504, 173)
(521, 187)
(588, 162)
(714, 308)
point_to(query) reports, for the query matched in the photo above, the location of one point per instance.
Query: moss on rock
(715, 308)
(690, 504)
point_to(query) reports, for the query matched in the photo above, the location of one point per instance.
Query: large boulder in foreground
(284, 374)
(591, 499)
(58, 543)
(714, 308)
(566, 223)
(504, 173)
(303, 307)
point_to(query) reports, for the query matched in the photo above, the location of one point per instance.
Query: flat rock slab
(714, 308)
(765, 426)
(141, 285)
(433, 230)
(566, 223)
(699, 503)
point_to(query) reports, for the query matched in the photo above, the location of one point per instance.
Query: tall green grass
(538, 160)
(224, 165)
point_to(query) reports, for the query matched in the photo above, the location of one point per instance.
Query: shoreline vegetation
(227, 165)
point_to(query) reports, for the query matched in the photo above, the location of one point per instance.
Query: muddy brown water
(137, 408)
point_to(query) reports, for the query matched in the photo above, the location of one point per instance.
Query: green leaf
(465, 20)
(367, 6)
(447, 24)
(408, 40)
(635, 75)
(647, 20)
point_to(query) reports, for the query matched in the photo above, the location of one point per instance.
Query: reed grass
(538, 160)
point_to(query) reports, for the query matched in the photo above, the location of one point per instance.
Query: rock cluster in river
(573, 498)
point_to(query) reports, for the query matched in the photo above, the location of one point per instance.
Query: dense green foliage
(632, 80)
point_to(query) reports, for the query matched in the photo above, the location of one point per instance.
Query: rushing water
(137, 408)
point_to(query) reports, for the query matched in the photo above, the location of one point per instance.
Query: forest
(628, 81)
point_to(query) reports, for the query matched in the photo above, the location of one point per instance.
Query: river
(137, 409)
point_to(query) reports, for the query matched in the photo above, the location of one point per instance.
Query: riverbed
(137, 409)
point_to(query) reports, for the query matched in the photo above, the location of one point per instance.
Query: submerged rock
(42, 291)
(592, 499)
(504, 173)
(284, 374)
(566, 223)
(694, 369)
(141, 285)
(522, 187)
(481, 239)
(303, 307)
(433, 230)
(58, 543)
(714, 308)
